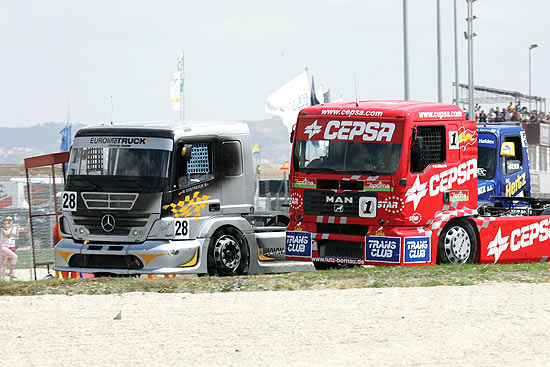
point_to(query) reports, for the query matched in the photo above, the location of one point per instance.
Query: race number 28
(68, 199)
(181, 227)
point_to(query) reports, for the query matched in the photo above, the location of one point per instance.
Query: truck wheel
(457, 244)
(228, 253)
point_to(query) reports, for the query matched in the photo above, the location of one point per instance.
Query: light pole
(470, 36)
(405, 51)
(534, 45)
(456, 58)
(439, 88)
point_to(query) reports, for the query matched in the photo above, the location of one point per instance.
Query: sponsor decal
(507, 149)
(392, 204)
(194, 188)
(439, 114)
(383, 249)
(415, 218)
(378, 232)
(352, 113)
(523, 139)
(486, 142)
(416, 192)
(461, 195)
(306, 183)
(513, 166)
(338, 260)
(441, 182)
(298, 244)
(513, 187)
(377, 186)
(295, 201)
(417, 250)
(481, 172)
(367, 207)
(525, 236)
(484, 189)
(466, 137)
(190, 206)
(312, 129)
(368, 131)
(122, 142)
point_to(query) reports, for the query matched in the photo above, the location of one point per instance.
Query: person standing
(8, 235)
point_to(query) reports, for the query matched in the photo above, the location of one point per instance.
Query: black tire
(228, 253)
(457, 243)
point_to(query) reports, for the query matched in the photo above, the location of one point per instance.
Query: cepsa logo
(525, 236)
(442, 181)
(350, 130)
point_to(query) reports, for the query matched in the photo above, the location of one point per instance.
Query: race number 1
(68, 199)
(181, 229)
(453, 140)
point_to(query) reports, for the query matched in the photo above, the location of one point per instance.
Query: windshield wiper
(90, 181)
(142, 187)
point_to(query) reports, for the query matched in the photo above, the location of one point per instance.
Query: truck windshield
(487, 155)
(346, 157)
(146, 158)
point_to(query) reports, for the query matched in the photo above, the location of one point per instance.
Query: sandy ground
(492, 324)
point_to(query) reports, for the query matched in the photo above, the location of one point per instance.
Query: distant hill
(273, 138)
(19, 143)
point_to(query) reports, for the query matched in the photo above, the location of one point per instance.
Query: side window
(195, 166)
(232, 158)
(513, 164)
(429, 147)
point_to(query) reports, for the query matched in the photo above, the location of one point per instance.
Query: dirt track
(493, 324)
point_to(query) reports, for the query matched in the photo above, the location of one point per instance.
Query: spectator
(7, 234)
(491, 117)
(482, 116)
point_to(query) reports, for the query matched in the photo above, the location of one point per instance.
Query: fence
(45, 178)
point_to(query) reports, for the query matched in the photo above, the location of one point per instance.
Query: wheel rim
(227, 253)
(457, 245)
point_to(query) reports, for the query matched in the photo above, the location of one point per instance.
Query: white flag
(320, 94)
(175, 91)
(290, 99)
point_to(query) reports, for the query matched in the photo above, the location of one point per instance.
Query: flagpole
(182, 76)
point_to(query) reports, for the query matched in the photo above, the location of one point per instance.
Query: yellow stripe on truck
(193, 261)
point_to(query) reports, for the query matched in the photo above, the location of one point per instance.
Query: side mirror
(186, 152)
(507, 149)
(292, 134)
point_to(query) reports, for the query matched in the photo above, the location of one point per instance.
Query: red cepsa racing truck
(395, 183)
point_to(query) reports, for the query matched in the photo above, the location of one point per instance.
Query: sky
(85, 54)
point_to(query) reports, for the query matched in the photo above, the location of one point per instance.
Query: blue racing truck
(503, 162)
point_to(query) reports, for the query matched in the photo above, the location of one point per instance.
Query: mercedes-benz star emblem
(108, 223)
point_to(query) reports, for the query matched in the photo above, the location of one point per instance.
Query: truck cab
(166, 198)
(503, 166)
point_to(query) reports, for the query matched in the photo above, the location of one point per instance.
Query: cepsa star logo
(312, 129)
(416, 192)
(497, 246)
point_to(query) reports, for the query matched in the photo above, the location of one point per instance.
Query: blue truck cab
(503, 162)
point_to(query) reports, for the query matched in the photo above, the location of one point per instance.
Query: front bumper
(150, 257)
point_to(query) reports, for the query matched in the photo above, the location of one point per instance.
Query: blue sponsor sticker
(486, 140)
(298, 244)
(383, 249)
(417, 250)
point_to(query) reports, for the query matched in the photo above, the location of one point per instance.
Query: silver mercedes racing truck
(167, 198)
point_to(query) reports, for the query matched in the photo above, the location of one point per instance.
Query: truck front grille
(123, 223)
(109, 200)
(326, 202)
